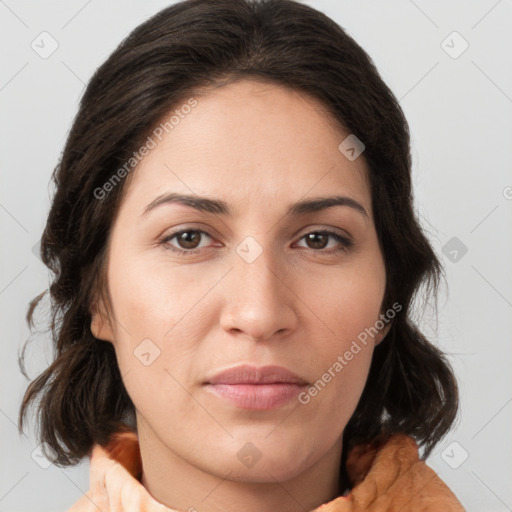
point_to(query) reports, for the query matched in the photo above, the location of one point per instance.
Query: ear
(101, 327)
(383, 333)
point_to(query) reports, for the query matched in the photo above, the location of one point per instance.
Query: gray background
(460, 112)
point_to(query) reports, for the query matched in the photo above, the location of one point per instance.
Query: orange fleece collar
(386, 479)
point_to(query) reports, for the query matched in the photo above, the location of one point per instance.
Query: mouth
(253, 388)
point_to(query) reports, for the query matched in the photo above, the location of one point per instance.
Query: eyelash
(345, 242)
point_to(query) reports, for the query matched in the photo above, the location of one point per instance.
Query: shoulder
(395, 476)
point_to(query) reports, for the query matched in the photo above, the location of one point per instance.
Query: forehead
(253, 144)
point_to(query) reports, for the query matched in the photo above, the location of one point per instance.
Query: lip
(248, 374)
(256, 388)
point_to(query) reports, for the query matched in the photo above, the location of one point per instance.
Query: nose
(259, 298)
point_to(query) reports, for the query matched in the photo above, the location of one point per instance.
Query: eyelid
(322, 228)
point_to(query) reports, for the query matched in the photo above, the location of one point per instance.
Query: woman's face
(252, 280)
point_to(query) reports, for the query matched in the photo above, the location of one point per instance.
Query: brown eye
(319, 240)
(187, 241)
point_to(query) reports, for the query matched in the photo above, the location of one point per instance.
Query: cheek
(331, 399)
(349, 310)
(157, 332)
(350, 304)
(154, 295)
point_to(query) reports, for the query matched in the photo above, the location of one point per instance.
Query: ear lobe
(100, 323)
(383, 333)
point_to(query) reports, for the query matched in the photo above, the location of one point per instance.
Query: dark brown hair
(191, 45)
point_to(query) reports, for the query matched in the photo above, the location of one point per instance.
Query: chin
(262, 458)
(264, 471)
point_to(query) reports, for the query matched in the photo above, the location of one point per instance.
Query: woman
(235, 255)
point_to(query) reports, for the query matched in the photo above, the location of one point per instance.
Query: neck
(182, 485)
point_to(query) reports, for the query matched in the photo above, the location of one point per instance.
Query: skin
(259, 147)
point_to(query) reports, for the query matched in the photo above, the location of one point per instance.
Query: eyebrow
(219, 207)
